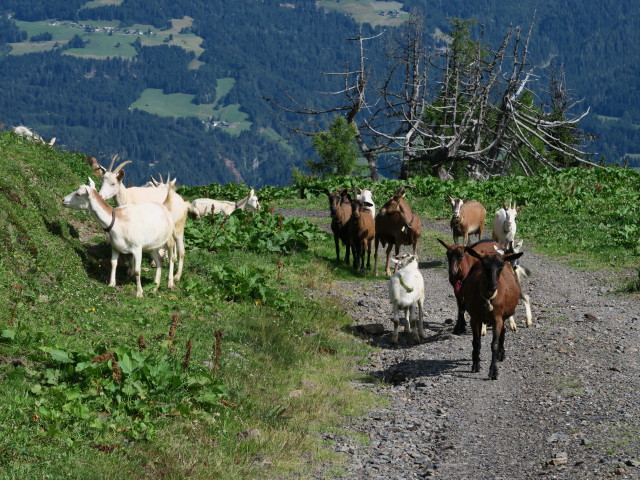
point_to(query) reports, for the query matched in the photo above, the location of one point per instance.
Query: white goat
(504, 224)
(201, 207)
(406, 290)
(113, 186)
(132, 229)
(366, 196)
(521, 272)
(29, 134)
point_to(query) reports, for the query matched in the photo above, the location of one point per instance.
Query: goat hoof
(475, 368)
(493, 372)
(459, 330)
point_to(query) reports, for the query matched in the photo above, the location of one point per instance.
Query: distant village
(390, 13)
(101, 29)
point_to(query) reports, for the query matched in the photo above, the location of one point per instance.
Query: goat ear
(91, 184)
(327, 192)
(512, 256)
(472, 252)
(518, 209)
(102, 169)
(443, 244)
(120, 176)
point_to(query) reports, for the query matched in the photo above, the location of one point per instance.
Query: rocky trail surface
(566, 404)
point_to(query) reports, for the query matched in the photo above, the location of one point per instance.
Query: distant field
(101, 44)
(101, 3)
(368, 11)
(180, 105)
(604, 118)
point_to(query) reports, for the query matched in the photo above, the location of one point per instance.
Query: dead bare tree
(463, 108)
(482, 116)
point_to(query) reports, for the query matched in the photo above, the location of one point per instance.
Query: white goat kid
(406, 291)
(132, 229)
(26, 132)
(504, 224)
(113, 186)
(366, 196)
(202, 207)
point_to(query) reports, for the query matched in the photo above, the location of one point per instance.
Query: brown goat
(95, 166)
(491, 293)
(467, 219)
(396, 225)
(361, 232)
(340, 210)
(460, 264)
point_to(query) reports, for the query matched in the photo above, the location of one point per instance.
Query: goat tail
(522, 272)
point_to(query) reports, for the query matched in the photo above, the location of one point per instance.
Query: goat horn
(113, 160)
(119, 167)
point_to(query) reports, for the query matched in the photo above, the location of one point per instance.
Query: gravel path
(566, 404)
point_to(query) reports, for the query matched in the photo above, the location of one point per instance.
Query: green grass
(100, 44)
(101, 3)
(367, 11)
(154, 101)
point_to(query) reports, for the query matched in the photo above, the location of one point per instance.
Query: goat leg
(394, 335)
(476, 343)
(527, 310)
(461, 324)
(137, 258)
(158, 260)
(410, 313)
(375, 257)
(114, 264)
(421, 333)
(497, 347)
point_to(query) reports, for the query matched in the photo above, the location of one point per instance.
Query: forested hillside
(178, 86)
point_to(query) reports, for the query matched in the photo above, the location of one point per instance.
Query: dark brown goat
(361, 231)
(340, 210)
(460, 264)
(396, 225)
(491, 293)
(95, 166)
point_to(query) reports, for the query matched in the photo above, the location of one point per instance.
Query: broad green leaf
(10, 334)
(60, 356)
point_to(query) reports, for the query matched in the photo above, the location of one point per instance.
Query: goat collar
(487, 301)
(404, 285)
(457, 219)
(113, 221)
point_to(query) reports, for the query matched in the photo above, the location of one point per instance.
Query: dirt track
(566, 404)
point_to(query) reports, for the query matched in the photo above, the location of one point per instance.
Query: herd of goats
(485, 276)
(147, 219)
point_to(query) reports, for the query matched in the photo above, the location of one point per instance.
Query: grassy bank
(230, 376)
